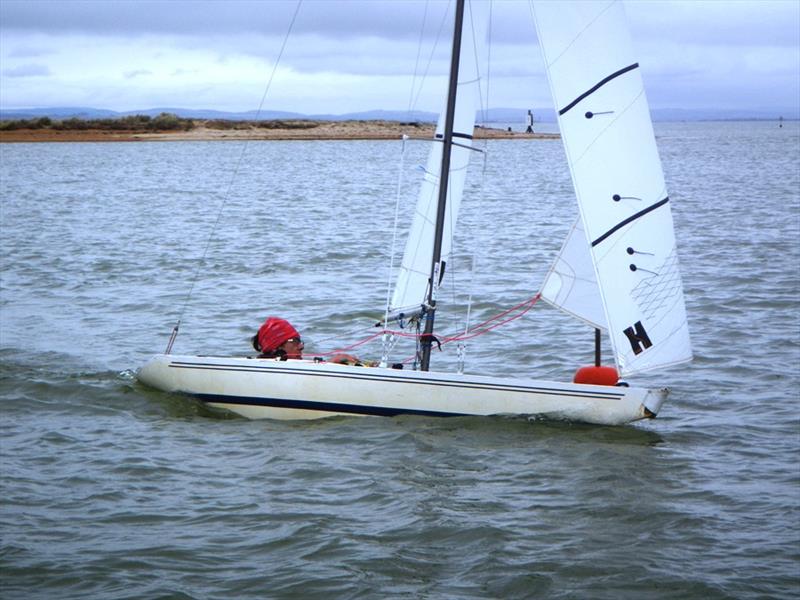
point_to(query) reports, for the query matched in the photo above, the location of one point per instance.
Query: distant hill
(58, 113)
(99, 113)
(493, 115)
(190, 113)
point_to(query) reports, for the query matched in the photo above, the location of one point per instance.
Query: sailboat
(617, 269)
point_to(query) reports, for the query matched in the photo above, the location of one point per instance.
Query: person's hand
(343, 359)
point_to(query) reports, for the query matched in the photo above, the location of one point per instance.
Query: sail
(616, 171)
(571, 285)
(411, 289)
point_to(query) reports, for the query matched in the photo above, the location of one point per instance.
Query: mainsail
(410, 292)
(616, 171)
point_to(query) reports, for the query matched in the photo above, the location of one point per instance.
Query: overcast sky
(350, 55)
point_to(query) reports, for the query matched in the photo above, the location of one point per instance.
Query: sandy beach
(290, 130)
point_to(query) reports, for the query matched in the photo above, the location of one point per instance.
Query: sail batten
(588, 93)
(630, 219)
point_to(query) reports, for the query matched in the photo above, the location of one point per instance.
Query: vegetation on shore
(170, 127)
(163, 122)
(145, 123)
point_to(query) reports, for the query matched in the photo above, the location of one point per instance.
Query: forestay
(410, 292)
(610, 146)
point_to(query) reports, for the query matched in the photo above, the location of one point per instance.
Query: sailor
(277, 338)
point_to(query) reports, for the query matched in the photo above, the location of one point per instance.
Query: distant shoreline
(205, 131)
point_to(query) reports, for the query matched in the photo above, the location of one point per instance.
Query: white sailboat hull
(265, 388)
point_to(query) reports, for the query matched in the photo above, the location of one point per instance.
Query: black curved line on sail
(598, 86)
(630, 219)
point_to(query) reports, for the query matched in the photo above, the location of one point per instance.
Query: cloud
(29, 70)
(136, 73)
(732, 23)
(192, 17)
(354, 54)
(29, 52)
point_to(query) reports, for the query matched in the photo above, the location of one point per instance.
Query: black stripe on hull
(350, 409)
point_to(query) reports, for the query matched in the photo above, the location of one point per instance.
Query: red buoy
(597, 375)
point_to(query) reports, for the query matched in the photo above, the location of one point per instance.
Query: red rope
(484, 327)
(478, 330)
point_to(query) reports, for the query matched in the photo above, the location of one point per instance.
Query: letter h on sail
(638, 338)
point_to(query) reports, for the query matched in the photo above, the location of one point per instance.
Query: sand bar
(303, 130)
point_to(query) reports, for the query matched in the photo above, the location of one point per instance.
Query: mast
(444, 174)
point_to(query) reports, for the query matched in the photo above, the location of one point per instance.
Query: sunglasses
(294, 340)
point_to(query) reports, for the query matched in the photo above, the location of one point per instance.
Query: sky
(354, 55)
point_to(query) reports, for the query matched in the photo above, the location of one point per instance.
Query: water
(112, 490)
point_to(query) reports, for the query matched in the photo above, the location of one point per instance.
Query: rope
(394, 231)
(430, 58)
(416, 63)
(486, 326)
(227, 193)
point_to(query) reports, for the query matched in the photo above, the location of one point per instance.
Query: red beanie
(274, 332)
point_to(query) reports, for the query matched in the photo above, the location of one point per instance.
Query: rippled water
(112, 490)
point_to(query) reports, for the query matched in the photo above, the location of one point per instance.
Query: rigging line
(430, 57)
(476, 58)
(352, 332)
(394, 231)
(484, 327)
(485, 324)
(416, 63)
(226, 196)
(484, 119)
(477, 246)
(477, 81)
(526, 306)
(352, 346)
(280, 55)
(485, 107)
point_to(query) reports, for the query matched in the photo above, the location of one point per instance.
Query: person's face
(293, 347)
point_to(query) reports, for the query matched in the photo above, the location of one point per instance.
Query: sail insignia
(638, 338)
